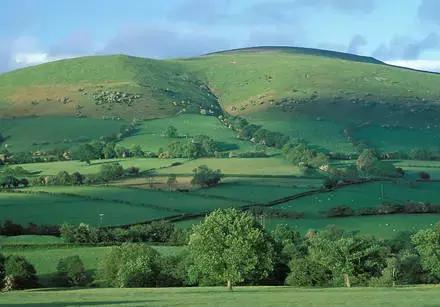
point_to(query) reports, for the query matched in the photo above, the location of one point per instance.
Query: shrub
(130, 265)
(111, 171)
(424, 176)
(71, 272)
(205, 176)
(20, 273)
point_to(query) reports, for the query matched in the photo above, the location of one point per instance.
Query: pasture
(219, 296)
(37, 133)
(150, 135)
(43, 208)
(273, 166)
(365, 195)
(45, 259)
(53, 168)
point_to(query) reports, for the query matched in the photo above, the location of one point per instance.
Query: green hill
(101, 86)
(321, 96)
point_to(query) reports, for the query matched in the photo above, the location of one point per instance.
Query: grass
(218, 296)
(274, 166)
(150, 135)
(53, 168)
(57, 209)
(158, 82)
(46, 259)
(30, 239)
(33, 134)
(365, 195)
(175, 202)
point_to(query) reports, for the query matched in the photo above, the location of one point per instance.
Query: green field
(273, 166)
(217, 296)
(53, 168)
(30, 239)
(151, 133)
(45, 259)
(34, 134)
(57, 209)
(174, 202)
(365, 195)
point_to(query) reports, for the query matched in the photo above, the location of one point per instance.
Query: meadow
(37, 133)
(150, 135)
(218, 296)
(41, 208)
(53, 168)
(45, 259)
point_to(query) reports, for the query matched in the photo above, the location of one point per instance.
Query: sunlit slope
(102, 86)
(315, 82)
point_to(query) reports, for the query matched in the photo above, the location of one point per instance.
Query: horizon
(35, 32)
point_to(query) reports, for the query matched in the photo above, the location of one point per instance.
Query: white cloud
(34, 58)
(427, 65)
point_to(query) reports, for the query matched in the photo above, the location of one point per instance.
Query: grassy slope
(158, 82)
(316, 96)
(242, 296)
(150, 134)
(32, 134)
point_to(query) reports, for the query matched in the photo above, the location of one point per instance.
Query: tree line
(231, 248)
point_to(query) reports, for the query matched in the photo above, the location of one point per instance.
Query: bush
(130, 265)
(20, 273)
(206, 177)
(306, 273)
(111, 171)
(71, 272)
(424, 176)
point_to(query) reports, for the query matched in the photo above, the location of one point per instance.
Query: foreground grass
(242, 296)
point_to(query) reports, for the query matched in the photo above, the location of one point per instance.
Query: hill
(328, 98)
(101, 87)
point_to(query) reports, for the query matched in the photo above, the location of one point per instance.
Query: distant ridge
(305, 51)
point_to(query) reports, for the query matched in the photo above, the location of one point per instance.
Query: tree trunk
(347, 281)
(229, 285)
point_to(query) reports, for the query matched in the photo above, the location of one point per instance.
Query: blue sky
(404, 32)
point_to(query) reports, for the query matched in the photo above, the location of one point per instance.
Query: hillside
(101, 87)
(322, 96)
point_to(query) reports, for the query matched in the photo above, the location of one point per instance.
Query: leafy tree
(109, 151)
(2, 269)
(137, 151)
(205, 176)
(427, 244)
(71, 272)
(304, 272)
(85, 153)
(171, 132)
(22, 274)
(230, 247)
(348, 257)
(130, 265)
(2, 138)
(111, 171)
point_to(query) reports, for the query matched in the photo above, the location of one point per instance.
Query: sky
(400, 32)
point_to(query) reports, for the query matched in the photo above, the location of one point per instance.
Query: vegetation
(230, 247)
(205, 176)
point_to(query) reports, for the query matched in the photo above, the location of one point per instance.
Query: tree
(230, 247)
(111, 171)
(171, 132)
(20, 273)
(172, 180)
(424, 175)
(130, 265)
(348, 256)
(71, 272)
(427, 244)
(109, 151)
(205, 176)
(85, 153)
